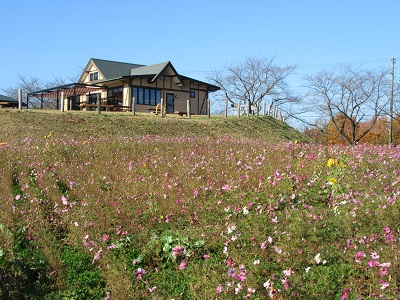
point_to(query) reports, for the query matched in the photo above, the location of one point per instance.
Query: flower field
(196, 217)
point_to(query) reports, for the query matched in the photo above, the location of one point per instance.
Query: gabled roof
(111, 69)
(154, 71)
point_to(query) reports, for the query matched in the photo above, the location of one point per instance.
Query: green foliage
(82, 278)
(24, 271)
(170, 247)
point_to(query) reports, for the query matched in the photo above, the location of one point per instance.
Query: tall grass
(193, 216)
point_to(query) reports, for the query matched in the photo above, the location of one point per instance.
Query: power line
(361, 62)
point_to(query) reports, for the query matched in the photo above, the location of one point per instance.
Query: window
(92, 98)
(94, 76)
(192, 94)
(146, 96)
(115, 95)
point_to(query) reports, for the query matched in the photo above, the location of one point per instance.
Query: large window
(92, 98)
(146, 96)
(115, 95)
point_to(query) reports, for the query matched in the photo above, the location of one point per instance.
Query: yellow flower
(332, 181)
(330, 162)
(296, 141)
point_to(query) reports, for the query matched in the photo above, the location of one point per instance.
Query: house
(6, 101)
(116, 84)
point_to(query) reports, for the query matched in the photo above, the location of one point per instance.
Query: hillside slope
(29, 123)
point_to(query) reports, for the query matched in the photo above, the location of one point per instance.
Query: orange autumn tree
(379, 134)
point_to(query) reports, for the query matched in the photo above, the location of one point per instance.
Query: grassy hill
(115, 206)
(29, 123)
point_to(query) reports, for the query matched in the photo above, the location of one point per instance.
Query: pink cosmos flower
(345, 293)
(182, 265)
(96, 256)
(372, 263)
(139, 273)
(384, 284)
(383, 271)
(238, 288)
(218, 290)
(359, 255)
(277, 250)
(287, 273)
(105, 237)
(107, 297)
(177, 250)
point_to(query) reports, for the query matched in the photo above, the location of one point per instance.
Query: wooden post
(162, 107)
(98, 105)
(19, 99)
(208, 108)
(188, 108)
(226, 108)
(238, 107)
(265, 108)
(133, 106)
(248, 107)
(62, 101)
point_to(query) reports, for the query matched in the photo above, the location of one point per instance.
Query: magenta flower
(139, 273)
(345, 293)
(264, 245)
(182, 265)
(359, 255)
(177, 250)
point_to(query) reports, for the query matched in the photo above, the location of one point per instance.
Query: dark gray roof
(149, 70)
(114, 69)
(4, 98)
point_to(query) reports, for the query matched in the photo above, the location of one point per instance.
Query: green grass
(142, 207)
(74, 124)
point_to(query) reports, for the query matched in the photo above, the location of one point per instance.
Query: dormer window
(94, 76)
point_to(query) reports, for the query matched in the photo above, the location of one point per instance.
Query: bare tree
(26, 84)
(253, 81)
(348, 97)
(30, 84)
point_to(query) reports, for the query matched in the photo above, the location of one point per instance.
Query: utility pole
(391, 105)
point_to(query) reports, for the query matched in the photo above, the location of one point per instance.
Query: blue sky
(54, 38)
